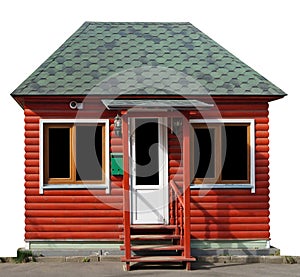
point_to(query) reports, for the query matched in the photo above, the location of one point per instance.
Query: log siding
(81, 214)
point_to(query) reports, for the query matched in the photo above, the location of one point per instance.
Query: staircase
(159, 243)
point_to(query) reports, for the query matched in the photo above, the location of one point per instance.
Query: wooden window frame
(72, 183)
(73, 153)
(235, 181)
(217, 151)
(217, 182)
(47, 179)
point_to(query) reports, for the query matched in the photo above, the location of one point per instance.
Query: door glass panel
(147, 157)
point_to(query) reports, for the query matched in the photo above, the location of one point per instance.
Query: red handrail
(177, 209)
(177, 192)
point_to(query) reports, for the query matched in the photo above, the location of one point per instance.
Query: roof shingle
(143, 58)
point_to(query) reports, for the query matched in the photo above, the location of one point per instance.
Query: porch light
(177, 124)
(118, 126)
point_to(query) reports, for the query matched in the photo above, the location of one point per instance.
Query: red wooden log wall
(94, 215)
(237, 213)
(68, 214)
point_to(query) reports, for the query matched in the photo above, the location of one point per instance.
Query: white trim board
(43, 186)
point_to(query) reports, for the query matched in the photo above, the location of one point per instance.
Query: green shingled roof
(143, 58)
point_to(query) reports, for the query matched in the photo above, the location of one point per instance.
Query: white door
(148, 171)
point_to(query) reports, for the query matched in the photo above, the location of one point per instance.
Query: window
(89, 152)
(223, 153)
(235, 152)
(204, 145)
(58, 152)
(74, 155)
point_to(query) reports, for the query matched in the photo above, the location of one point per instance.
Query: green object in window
(116, 164)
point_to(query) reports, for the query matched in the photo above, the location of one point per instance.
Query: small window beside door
(222, 154)
(74, 153)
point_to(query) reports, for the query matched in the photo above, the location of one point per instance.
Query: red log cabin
(146, 138)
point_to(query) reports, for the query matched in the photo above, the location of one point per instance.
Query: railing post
(181, 225)
(126, 204)
(186, 188)
(172, 222)
(176, 215)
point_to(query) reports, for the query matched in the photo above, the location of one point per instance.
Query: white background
(263, 34)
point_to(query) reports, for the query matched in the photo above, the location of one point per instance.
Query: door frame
(163, 174)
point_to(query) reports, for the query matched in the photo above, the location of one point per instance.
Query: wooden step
(158, 259)
(150, 227)
(152, 237)
(154, 247)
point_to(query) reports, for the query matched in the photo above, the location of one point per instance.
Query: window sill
(74, 186)
(223, 186)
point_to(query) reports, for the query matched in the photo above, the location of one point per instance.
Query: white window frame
(251, 184)
(43, 186)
